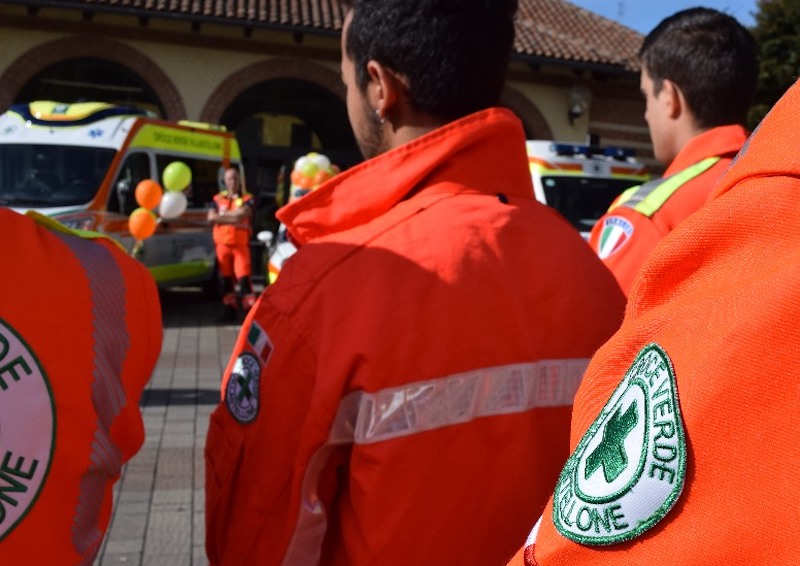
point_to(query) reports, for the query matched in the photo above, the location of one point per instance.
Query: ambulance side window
(135, 168)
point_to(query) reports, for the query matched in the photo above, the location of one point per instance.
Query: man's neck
(407, 125)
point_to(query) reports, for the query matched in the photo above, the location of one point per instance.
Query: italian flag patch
(259, 341)
(615, 233)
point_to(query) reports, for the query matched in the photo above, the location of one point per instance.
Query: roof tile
(548, 29)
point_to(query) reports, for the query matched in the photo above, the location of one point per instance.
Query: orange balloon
(148, 194)
(306, 182)
(142, 223)
(295, 177)
(321, 177)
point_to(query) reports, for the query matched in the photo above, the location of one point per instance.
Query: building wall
(197, 71)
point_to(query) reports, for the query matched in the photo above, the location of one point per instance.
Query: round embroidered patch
(629, 469)
(241, 395)
(27, 428)
(615, 233)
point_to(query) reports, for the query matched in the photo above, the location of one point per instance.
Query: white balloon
(173, 204)
(298, 165)
(321, 161)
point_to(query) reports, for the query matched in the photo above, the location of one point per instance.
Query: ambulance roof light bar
(570, 150)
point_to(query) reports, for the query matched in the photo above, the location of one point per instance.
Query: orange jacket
(80, 333)
(642, 216)
(384, 395)
(720, 299)
(232, 234)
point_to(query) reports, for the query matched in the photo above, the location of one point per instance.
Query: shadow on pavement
(190, 306)
(163, 397)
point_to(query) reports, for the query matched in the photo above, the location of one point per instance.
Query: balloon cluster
(309, 172)
(150, 196)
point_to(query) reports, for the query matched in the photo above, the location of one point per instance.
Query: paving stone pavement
(158, 517)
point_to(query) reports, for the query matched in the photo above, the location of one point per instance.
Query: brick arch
(30, 64)
(535, 124)
(257, 73)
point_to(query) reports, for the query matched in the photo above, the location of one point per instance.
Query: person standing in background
(699, 73)
(685, 426)
(231, 213)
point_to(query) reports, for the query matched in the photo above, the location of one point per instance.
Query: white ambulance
(80, 163)
(581, 181)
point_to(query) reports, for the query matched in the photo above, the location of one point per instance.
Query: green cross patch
(630, 467)
(611, 454)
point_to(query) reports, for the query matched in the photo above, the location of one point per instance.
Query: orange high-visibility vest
(690, 458)
(80, 333)
(229, 234)
(413, 366)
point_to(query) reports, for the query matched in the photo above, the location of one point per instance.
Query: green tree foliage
(777, 33)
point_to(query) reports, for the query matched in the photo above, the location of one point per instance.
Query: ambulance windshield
(40, 176)
(583, 200)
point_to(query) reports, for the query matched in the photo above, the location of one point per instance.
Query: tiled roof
(555, 29)
(552, 30)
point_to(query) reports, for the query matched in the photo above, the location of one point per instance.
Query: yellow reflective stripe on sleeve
(56, 226)
(628, 193)
(366, 418)
(651, 196)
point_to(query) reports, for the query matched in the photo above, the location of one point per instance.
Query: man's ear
(673, 98)
(385, 88)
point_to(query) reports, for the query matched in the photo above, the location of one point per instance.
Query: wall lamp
(579, 99)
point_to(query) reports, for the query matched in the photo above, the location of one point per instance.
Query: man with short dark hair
(231, 213)
(699, 72)
(685, 425)
(413, 367)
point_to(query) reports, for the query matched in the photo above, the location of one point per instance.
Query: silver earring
(380, 119)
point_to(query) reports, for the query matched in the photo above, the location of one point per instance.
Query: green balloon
(309, 169)
(177, 176)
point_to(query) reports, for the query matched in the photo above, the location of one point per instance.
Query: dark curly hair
(454, 53)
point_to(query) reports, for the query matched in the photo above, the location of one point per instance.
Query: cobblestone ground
(158, 512)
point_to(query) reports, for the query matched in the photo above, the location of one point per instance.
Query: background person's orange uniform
(642, 216)
(236, 237)
(721, 297)
(233, 247)
(413, 366)
(80, 333)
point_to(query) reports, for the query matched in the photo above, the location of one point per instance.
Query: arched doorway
(279, 120)
(533, 120)
(66, 67)
(91, 80)
(282, 109)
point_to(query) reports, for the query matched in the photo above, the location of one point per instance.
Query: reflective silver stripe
(367, 418)
(111, 343)
(648, 198)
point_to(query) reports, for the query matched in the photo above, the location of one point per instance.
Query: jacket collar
(720, 141)
(484, 151)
